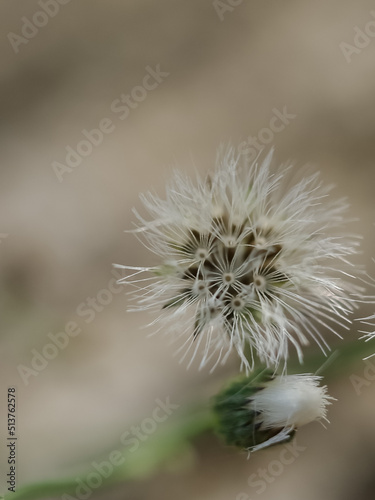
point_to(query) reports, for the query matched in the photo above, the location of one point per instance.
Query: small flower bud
(263, 410)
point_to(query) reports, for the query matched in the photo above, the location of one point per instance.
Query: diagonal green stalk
(161, 447)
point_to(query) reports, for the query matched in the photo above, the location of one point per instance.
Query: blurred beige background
(224, 71)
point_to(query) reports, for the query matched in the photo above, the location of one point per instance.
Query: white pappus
(251, 260)
(287, 402)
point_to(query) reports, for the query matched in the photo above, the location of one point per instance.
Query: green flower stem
(176, 436)
(338, 362)
(167, 443)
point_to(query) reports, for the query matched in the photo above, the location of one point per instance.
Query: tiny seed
(228, 277)
(201, 253)
(237, 303)
(260, 282)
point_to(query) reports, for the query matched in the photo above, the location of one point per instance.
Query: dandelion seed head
(246, 264)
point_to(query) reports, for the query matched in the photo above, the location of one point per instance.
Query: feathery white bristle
(243, 261)
(291, 401)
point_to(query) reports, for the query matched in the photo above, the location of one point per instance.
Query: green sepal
(236, 422)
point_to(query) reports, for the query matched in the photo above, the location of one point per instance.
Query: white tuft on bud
(291, 401)
(264, 410)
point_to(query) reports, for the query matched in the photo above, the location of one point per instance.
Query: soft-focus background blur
(219, 71)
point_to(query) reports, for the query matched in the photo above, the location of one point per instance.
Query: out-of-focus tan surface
(223, 74)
